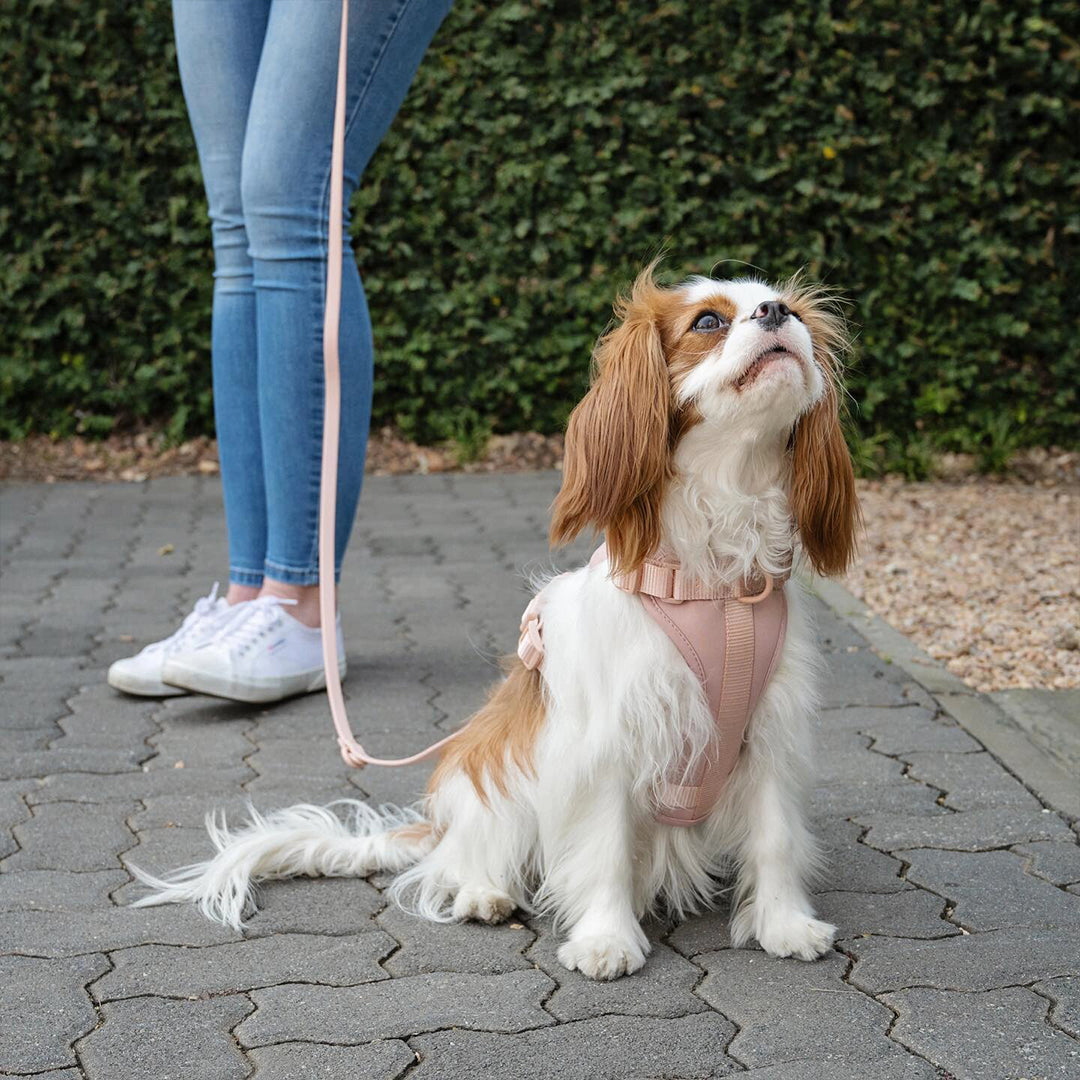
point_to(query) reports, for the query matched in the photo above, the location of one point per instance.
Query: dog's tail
(302, 840)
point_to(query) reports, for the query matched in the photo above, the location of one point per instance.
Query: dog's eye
(709, 320)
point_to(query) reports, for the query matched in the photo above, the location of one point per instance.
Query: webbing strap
(353, 753)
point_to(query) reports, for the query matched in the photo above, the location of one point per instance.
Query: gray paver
(665, 989)
(384, 1060)
(852, 866)
(64, 836)
(970, 781)
(171, 971)
(790, 1009)
(465, 947)
(911, 913)
(397, 1007)
(1065, 994)
(58, 890)
(609, 1048)
(1057, 862)
(45, 1009)
(321, 906)
(168, 1040)
(64, 933)
(991, 1036)
(990, 889)
(969, 830)
(983, 961)
(903, 731)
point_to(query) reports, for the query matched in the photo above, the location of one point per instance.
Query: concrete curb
(980, 716)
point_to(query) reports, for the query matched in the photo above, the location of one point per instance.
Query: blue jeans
(259, 79)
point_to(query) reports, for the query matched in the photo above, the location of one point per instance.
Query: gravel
(983, 575)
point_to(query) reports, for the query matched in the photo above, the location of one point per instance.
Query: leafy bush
(920, 157)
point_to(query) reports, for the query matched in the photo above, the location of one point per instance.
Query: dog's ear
(823, 499)
(617, 454)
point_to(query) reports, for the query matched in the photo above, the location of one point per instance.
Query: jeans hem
(238, 575)
(294, 575)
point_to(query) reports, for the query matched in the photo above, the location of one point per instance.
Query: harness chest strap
(729, 636)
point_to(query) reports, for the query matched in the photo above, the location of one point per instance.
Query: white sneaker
(261, 654)
(141, 674)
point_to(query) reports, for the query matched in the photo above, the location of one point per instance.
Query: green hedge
(921, 157)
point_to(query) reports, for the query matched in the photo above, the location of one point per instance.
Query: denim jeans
(259, 79)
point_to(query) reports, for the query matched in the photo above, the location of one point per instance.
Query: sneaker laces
(252, 621)
(204, 606)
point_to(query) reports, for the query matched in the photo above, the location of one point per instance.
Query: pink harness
(730, 637)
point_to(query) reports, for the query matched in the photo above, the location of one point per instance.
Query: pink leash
(353, 753)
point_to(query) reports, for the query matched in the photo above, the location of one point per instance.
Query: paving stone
(971, 781)
(59, 934)
(861, 679)
(1065, 994)
(969, 830)
(64, 836)
(190, 810)
(45, 1008)
(13, 808)
(123, 787)
(990, 889)
(397, 1008)
(608, 1048)
(58, 890)
(663, 987)
(911, 913)
(852, 866)
(861, 795)
(187, 742)
(464, 947)
(386, 1060)
(103, 762)
(167, 1040)
(897, 1066)
(790, 1010)
(702, 933)
(318, 906)
(1057, 862)
(101, 717)
(842, 756)
(170, 971)
(54, 1074)
(982, 961)
(989, 1036)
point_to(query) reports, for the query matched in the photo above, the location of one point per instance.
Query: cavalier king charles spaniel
(708, 451)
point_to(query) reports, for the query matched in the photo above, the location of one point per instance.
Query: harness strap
(351, 750)
(667, 580)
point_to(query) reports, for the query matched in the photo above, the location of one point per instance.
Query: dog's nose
(773, 314)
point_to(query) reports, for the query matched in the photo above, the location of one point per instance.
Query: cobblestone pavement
(956, 890)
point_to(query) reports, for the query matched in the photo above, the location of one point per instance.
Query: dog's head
(758, 363)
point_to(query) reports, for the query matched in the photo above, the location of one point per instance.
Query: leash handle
(351, 750)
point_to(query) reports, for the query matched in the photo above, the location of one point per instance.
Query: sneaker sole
(257, 691)
(129, 684)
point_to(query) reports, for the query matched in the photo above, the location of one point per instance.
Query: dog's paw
(794, 933)
(482, 903)
(602, 956)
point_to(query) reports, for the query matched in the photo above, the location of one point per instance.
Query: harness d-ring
(763, 595)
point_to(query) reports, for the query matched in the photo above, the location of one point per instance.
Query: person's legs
(285, 188)
(218, 48)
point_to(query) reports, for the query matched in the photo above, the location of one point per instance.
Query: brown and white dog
(711, 431)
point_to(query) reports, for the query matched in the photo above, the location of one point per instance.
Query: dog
(708, 451)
